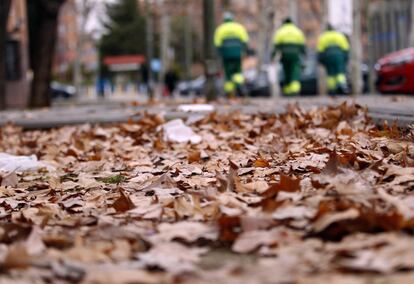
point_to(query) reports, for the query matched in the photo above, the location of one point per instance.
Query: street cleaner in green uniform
(333, 53)
(289, 41)
(231, 40)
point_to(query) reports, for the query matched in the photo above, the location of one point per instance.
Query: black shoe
(242, 91)
(343, 90)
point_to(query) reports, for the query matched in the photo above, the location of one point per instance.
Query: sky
(96, 17)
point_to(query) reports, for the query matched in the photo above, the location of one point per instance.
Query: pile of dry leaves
(262, 199)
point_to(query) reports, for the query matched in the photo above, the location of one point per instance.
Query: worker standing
(290, 41)
(333, 53)
(231, 40)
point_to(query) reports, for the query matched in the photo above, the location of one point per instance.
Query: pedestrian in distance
(333, 54)
(145, 69)
(231, 40)
(289, 41)
(170, 81)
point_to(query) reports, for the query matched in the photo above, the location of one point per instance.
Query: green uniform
(231, 40)
(289, 40)
(333, 50)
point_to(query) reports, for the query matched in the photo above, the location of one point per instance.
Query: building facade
(66, 46)
(18, 75)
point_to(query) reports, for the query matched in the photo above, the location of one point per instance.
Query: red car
(396, 72)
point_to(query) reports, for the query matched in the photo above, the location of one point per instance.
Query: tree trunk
(149, 23)
(83, 10)
(356, 56)
(293, 11)
(164, 46)
(210, 63)
(4, 13)
(322, 84)
(42, 49)
(262, 33)
(188, 39)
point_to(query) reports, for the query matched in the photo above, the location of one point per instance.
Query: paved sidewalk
(390, 108)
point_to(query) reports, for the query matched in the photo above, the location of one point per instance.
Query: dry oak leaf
(286, 183)
(250, 241)
(117, 275)
(9, 179)
(17, 257)
(186, 231)
(394, 147)
(294, 212)
(194, 157)
(389, 258)
(330, 218)
(261, 163)
(172, 257)
(123, 203)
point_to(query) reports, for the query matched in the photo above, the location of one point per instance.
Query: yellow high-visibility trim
(295, 87)
(238, 79)
(331, 83)
(292, 88)
(332, 38)
(286, 89)
(289, 34)
(341, 79)
(229, 87)
(230, 30)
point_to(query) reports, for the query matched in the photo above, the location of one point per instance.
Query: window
(13, 67)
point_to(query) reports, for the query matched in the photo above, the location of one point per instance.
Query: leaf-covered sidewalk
(304, 197)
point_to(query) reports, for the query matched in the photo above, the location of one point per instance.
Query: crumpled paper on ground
(196, 108)
(177, 131)
(10, 163)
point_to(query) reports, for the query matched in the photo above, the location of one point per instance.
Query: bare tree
(188, 38)
(356, 56)
(149, 25)
(267, 14)
(293, 10)
(165, 42)
(83, 9)
(321, 71)
(210, 63)
(43, 17)
(4, 15)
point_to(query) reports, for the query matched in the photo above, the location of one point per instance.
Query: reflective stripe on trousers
(292, 88)
(237, 80)
(335, 81)
(229, 87)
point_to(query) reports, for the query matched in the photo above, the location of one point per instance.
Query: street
(299, 190)
(209, 141)
(399, 109)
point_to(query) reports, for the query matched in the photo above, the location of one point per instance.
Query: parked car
(395, 72)
(309, 76)
(62, 91)
(257, 84)
(193, 87)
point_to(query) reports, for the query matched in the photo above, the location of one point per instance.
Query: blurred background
(91, 49)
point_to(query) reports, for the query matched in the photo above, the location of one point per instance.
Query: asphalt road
(398, 109)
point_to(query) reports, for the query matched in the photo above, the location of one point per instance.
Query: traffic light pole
(210, 63)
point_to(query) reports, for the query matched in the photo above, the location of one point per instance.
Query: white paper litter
(10, 163)
(177, 131)
(196, 108)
